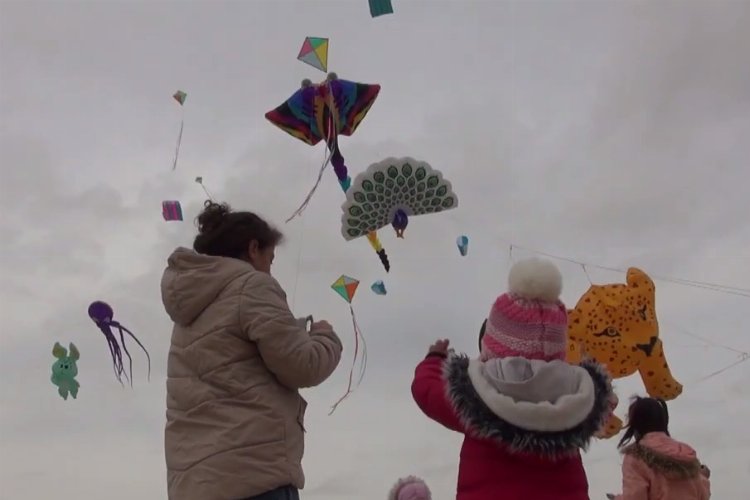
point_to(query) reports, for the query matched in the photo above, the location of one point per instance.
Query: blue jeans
(283, 493)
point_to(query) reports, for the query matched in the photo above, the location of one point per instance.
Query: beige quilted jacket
(235, 418)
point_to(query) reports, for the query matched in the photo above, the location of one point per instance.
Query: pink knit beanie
(529, 320)
(410, 488)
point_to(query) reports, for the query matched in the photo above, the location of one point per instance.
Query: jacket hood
(192, 281)
(666, 455)
(548, 408)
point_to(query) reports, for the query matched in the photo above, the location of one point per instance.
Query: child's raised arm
(429, 389)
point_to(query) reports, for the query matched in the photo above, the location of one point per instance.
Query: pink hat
(529, 321)
(410, 488)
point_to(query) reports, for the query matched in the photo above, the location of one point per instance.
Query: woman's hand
(439, 347)
(321, 325)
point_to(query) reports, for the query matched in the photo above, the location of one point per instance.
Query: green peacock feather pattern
(390, 191)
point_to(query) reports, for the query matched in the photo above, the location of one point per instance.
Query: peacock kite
(391, 191)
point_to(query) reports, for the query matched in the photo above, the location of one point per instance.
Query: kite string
(682, 331)
(358, 332)
(326, 162)
(743, 355)
(299, 262)
(179, 140)
(742, 358)
(301, 246)
(206, 191)
(732, 290)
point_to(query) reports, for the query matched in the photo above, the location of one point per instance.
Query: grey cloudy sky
(611, 132)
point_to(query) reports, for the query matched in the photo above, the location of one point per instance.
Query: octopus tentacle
(122, 328)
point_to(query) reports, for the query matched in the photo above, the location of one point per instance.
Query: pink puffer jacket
(661, 468)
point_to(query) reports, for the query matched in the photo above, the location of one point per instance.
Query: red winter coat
(524, 422)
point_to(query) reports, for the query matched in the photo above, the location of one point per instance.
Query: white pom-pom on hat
(535, 279)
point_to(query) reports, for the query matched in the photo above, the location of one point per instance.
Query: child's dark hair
(481, 334)
(224, 233)
(645, 415)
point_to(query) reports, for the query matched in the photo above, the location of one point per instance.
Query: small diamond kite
(180, 96)
(347, 287)
(314, 52)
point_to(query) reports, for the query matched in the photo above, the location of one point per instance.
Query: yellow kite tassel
(372, 237)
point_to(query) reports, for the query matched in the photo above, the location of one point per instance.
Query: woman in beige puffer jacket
(235, 418)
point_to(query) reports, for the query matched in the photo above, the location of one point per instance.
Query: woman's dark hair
(645, 415)
(224, 233)
(481, 334)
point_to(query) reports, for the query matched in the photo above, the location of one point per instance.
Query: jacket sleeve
(428, 390)
(297, 358)
(635, 479)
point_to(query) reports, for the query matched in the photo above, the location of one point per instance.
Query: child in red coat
(525, 413)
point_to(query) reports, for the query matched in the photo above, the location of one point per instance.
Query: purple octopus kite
(102, 314)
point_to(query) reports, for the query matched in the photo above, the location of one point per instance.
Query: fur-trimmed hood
(665, 455)
(547, 408)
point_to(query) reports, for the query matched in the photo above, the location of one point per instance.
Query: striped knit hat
(529, 321)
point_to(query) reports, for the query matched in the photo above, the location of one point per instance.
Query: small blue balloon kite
(379, 288)
(462, 242)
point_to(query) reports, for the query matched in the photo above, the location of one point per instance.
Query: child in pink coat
(410, 488)
(657, 467)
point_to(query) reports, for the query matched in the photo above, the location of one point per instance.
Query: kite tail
(179, 141)
(358, 332)
(337, 160)
(114, 351)
(123, 329)
(372, 237)
(309, 196)
(357, 336)
(127, 353)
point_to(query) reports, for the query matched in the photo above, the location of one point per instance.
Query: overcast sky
(610, 132)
